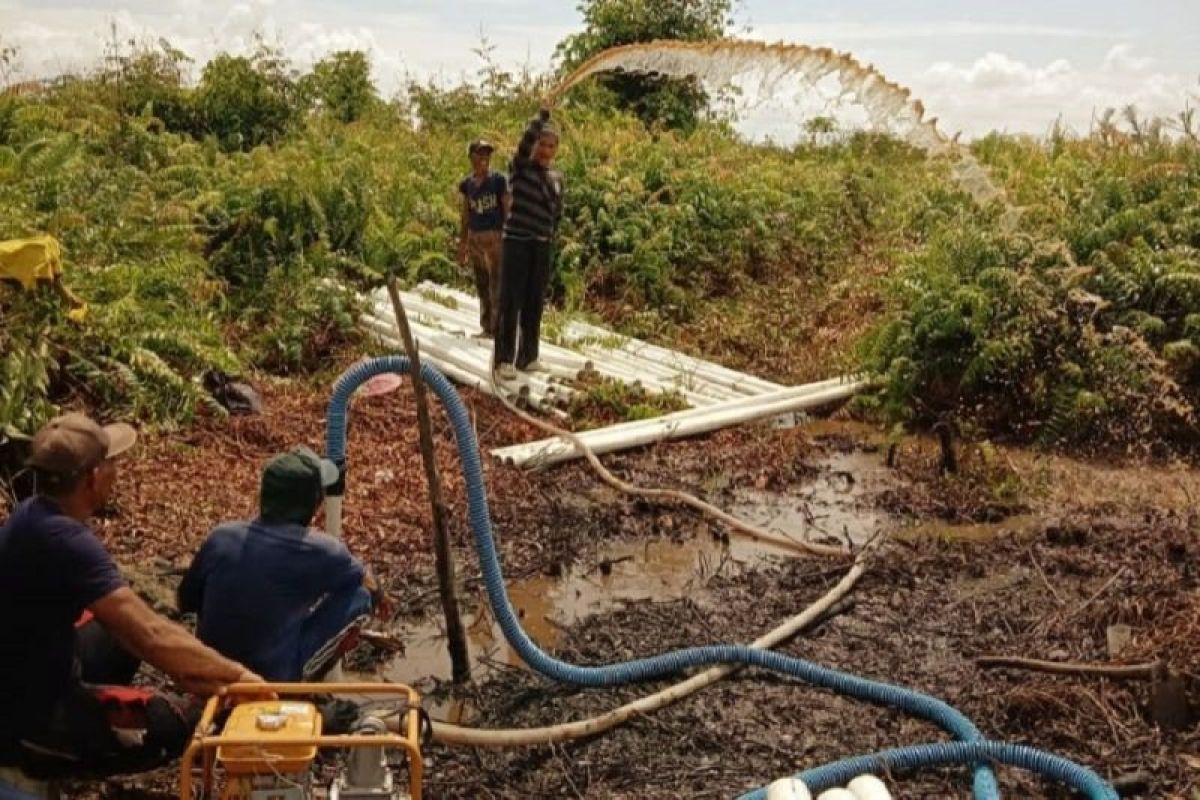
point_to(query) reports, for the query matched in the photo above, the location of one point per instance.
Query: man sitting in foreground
(272, 592)
(59, 719)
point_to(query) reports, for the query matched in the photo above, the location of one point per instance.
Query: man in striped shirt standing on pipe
(537, 204)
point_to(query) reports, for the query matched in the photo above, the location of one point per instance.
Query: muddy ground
(1018, 555)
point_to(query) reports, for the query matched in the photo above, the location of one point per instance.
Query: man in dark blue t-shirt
(57, 717)
(485, 204)
(271, 592)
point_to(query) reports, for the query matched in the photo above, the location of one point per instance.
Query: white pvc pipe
(634, 357)
(555, 357)
(333, 515)
(471, 365)
(621, 429)
(660, 375)
(452, 371)
(466, 321)
(576, 330)
(430, 315)
(673, 426)
(460, 362)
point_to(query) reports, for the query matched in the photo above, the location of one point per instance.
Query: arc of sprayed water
(886, 103)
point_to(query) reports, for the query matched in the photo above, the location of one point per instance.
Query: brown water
(656, 571)
(832, 505)
(836, 504)
(888, 106)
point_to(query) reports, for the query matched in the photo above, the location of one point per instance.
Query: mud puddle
(837, 504)
(656, 571)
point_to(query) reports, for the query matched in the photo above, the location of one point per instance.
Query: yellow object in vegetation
(29, 262)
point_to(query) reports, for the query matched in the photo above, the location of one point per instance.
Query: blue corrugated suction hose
(922, 705)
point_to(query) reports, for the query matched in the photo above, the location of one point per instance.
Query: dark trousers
(524, 275)
(80, 737)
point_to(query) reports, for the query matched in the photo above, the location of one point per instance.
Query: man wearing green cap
(272, 592)
(70, 626)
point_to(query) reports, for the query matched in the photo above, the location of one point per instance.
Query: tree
(8, 62)
(817, 127)
(139, 77)
(609, 23)
(246, 102)
(341, 85)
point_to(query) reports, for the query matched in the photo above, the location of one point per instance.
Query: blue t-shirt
(483, 200)
(254, 585)
(52, 567)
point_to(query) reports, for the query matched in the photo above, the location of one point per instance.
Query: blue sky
(1015, 66)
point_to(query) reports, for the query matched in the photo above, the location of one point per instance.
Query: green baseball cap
(293, 484)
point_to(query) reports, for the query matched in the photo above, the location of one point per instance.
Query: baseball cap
(73, 443)
(480, 144)
(293, 484)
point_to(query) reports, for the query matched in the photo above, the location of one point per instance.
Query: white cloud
(844, 33)
(1121, 59)
(996, 71)
(422, 41)
(973, 89)
(997, 91)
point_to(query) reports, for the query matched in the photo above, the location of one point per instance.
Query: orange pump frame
(206, 745)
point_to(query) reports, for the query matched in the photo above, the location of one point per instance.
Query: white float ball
(788, 789)
(868, 787)
(836, 794)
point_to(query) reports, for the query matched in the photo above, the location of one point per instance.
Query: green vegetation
(204, 223)
(676, 104)
(607, 402)
(1077, 325)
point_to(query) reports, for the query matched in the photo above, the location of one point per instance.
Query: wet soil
(1019, 554)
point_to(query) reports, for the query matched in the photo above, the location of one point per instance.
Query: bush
(341, 86)
(246, 102)
(1078, 329)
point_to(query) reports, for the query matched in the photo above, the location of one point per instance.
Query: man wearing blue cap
(281, 596)
(485, 204)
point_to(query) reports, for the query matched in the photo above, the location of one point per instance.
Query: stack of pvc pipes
(545, 452)
(445, 325)
(444, 338)
(631, 361)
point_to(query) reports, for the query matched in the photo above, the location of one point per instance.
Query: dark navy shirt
(483, 200)
(52, 567)
(254, 585)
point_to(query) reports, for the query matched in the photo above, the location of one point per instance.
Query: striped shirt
(537, 192)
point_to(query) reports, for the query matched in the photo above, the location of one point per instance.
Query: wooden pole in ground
(460, 664)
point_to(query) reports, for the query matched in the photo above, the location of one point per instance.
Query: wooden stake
(460, 664)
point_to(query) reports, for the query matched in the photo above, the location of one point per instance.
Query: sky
(1016, 66)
